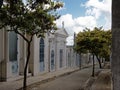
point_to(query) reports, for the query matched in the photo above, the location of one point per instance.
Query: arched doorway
(41, 54)
(13, 51)
(61, 58)
(52, 61)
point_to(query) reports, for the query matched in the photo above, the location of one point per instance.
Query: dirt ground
(103, 81)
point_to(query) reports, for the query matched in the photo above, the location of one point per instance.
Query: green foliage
(32, 17)
(96, 41)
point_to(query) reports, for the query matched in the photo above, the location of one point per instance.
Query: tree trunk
(93, 70)
(26, 65)
(115, 62)
(100, 66)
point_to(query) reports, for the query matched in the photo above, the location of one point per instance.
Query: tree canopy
(31, 17)
(96, 41)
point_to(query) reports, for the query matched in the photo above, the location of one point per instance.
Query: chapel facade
(48, 54)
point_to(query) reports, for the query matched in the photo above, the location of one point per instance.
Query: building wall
(8, 69)
(76, 60)
(52, 45)
(73, 59)
(60, 45)
(35, 56)
(55, 42)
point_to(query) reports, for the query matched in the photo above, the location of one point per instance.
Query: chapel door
(52, 61)
(41, 55)
(13, 47)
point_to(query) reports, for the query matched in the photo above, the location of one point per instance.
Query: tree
(106, 50)
(33, 17)
(95, 42)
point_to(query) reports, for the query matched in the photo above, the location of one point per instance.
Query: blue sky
(73, 7)
(78, 14)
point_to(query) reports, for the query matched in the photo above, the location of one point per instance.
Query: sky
(78, 14)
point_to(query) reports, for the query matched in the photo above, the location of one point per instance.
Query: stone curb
(90, 81)
(54, 77)
(50, 79)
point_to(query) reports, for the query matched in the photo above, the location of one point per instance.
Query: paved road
(74, 81)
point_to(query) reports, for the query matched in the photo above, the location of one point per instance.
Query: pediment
(62, 31)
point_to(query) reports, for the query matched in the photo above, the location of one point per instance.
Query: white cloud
(86, 21)
(77, 29)
(94, 10)
(108, 22)
(99, 8)
(104, 5)
(70, 40)
(76, 24)
(68, 20)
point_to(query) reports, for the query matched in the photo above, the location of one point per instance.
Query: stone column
(22, 54)
(49, 55)
(5, 62)
(46, 53)
(65, 62)
(115, 63)
(56, 53)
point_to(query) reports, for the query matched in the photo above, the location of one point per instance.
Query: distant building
(73, 59)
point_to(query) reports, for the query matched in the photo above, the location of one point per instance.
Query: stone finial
(62, 24)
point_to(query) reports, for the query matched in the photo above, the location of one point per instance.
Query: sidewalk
(15, 85)
(103, 81)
